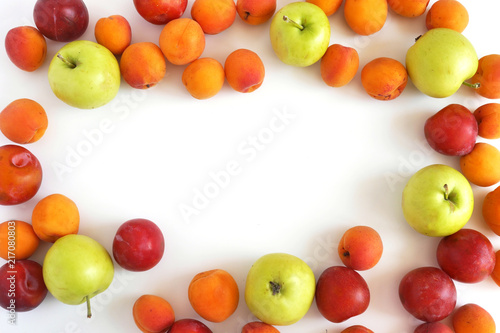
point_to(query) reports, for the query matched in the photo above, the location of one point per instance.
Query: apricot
(472, 318)
(214, 16)
(55, 216)
(365, 17)
(26, 47)
(143, 65)
(23, 121)
(182, 41)
(255, 12)
(339, 65)
(214, 295)
(244, 70)
(153, 314)
(203, 78)
(114, 33)
(17, 240)
(258, 327)
(408, 8)
(384, 78)
(449, 14)
(330, 7)
(495, 275)
(356, 329)
(360, 247)
(491, 210)
(482, 165)
(488, 120)
(487, 77)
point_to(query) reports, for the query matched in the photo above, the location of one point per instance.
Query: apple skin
(77, 268)
(29, 291)
(89, 80)
(160, 12)
(466, 256)
(452, 130)
(279, 288)
(293, 45)
(138, 245)
(62, 21)
(189, 325)
(437, 200)
(341, 293)
(428, 293)
(21, 175)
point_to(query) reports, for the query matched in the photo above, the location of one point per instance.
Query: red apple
(61, 20)
(435, 327)
(466, 256)
(341, 293)
(21, 285)
(138, 245)
(188, 325)
(452, 131)
(21, 175)
(428, 293)
(160, 12)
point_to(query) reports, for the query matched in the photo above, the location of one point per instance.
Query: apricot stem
(289, 20)
(89, 311)
(472, 85)
(66, 61)
(275, 287)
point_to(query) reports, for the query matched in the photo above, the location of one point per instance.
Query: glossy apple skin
(160, 11)
(61, 20)
(428, 293)
(21, 285)
(21, 175)
(341, 293)
(188, 325)
(452, 130)
(466, 256)
(138, 245)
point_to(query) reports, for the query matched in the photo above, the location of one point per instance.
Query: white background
(341, 159)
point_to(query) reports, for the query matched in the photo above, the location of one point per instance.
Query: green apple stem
(275, 287)
(289, 20)
(472, 85)
(446, 197)
(66, 61)
(89, 310)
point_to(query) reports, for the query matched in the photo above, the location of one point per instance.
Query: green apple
(300, 33)
(437, 200)
(84, 74)
(77, 268)
(440, 61)
(279, 288)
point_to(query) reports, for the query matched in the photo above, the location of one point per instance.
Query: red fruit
(189, 326)
(160, 11)
(435, 327)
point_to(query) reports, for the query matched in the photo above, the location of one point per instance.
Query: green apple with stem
(77, 268)
(300, 33)
(440, 61)
(84, 74)
(437, 200)
(279, 288)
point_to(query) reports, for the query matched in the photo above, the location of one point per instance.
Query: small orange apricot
(360, 247)
(339, 65)
(449, 14)
(482, 165)
(408, 8)
(153, 314)
(17, 240)
(384, 78)
(114, 33)
(143, 65)
(255, 12)
(182, 41)
(214, 295)
(258, 327)
(330, 7)
(203, 78)
(23, 121)
(214, 16)
(244, 70)
(472, 318)
(491, 210)
(365, 17)
(26, 47)
(488, 120)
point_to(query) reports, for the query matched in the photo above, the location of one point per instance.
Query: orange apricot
(408, 8)
(26, 47)
(23, 121)
(330, 7)
(182, 41)
(488, 120)
(360, 247)
(495, 275)
(482, 165)
(203, 78)
(17, 240)
(114, 33)
(258, 327)
(339, 65)
(55, 216)
(153, 314)
(255, 12)
(384, 78)
(365, 17)
(472, 318)
(143, 65)
(449, 14)
(214, 295)
(244, 70)
(491, 210)
(214, 16)
(487, 77)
